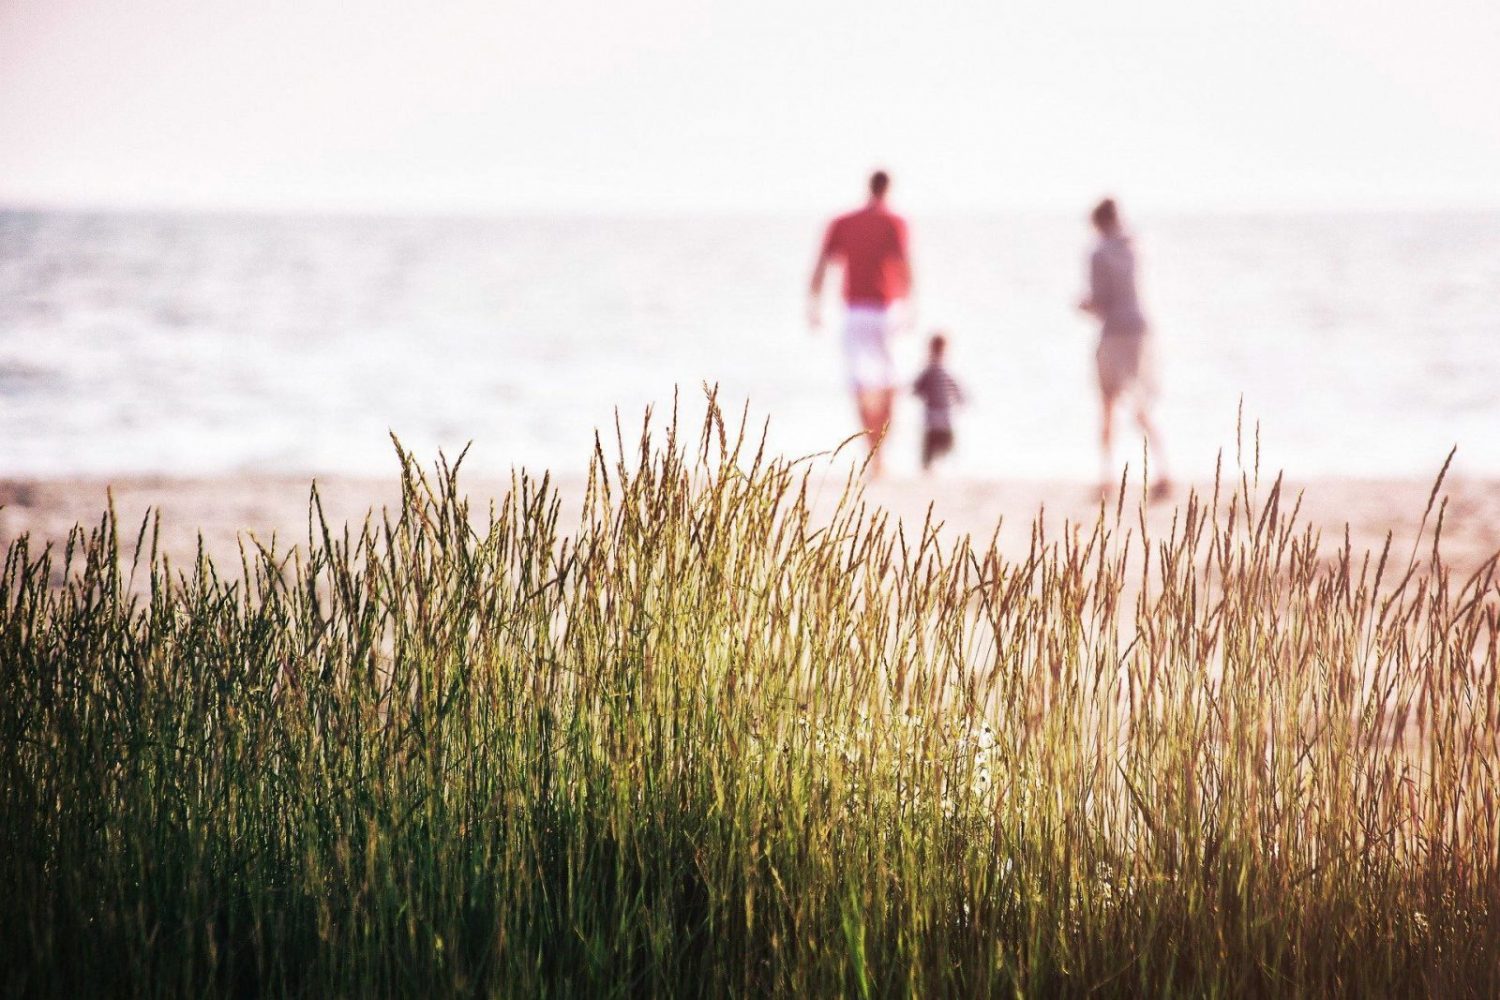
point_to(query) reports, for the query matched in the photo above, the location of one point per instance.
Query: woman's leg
(1162, 483)
(1106, 441)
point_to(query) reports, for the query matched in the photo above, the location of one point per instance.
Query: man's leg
(873, 376)
(884, 397)
(874, 417)
(885, 401)
(1106, 442)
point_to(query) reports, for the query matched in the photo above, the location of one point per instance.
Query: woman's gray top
(1112, 287)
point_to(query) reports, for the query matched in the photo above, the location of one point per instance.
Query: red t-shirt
(871, 242)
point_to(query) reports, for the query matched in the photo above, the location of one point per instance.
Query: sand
(227, 509)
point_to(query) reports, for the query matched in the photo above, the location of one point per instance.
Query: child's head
(937, 346)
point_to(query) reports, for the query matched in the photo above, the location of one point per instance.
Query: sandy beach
(227, 509)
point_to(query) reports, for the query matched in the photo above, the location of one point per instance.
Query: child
(938, 392)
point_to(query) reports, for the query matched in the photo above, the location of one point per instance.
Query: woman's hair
(1106, 216)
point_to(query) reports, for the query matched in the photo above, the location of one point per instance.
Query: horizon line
(333, 210)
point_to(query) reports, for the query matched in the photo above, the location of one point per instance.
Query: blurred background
(250, 238)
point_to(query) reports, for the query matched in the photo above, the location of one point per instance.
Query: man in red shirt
(871, 245)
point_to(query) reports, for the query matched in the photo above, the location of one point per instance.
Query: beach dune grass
(719, 739)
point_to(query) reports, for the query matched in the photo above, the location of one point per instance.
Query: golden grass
(711, 742)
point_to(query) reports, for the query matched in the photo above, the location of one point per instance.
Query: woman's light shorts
(1127, 367)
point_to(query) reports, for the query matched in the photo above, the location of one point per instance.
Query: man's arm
(815, 287)
(903, 260)
(899, 263)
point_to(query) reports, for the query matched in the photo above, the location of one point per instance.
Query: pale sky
(779, 105)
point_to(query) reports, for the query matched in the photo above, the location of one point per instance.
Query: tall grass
(722, 740)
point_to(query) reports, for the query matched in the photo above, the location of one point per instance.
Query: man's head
(1107, 217)
(880, 183)
(937, 345)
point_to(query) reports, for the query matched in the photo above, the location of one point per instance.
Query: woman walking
(1125, 358)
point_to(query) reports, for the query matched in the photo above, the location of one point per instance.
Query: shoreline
(227, 508)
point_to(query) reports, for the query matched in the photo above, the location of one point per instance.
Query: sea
(1364, 345)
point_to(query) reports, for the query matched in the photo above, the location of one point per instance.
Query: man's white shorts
(867, 348)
